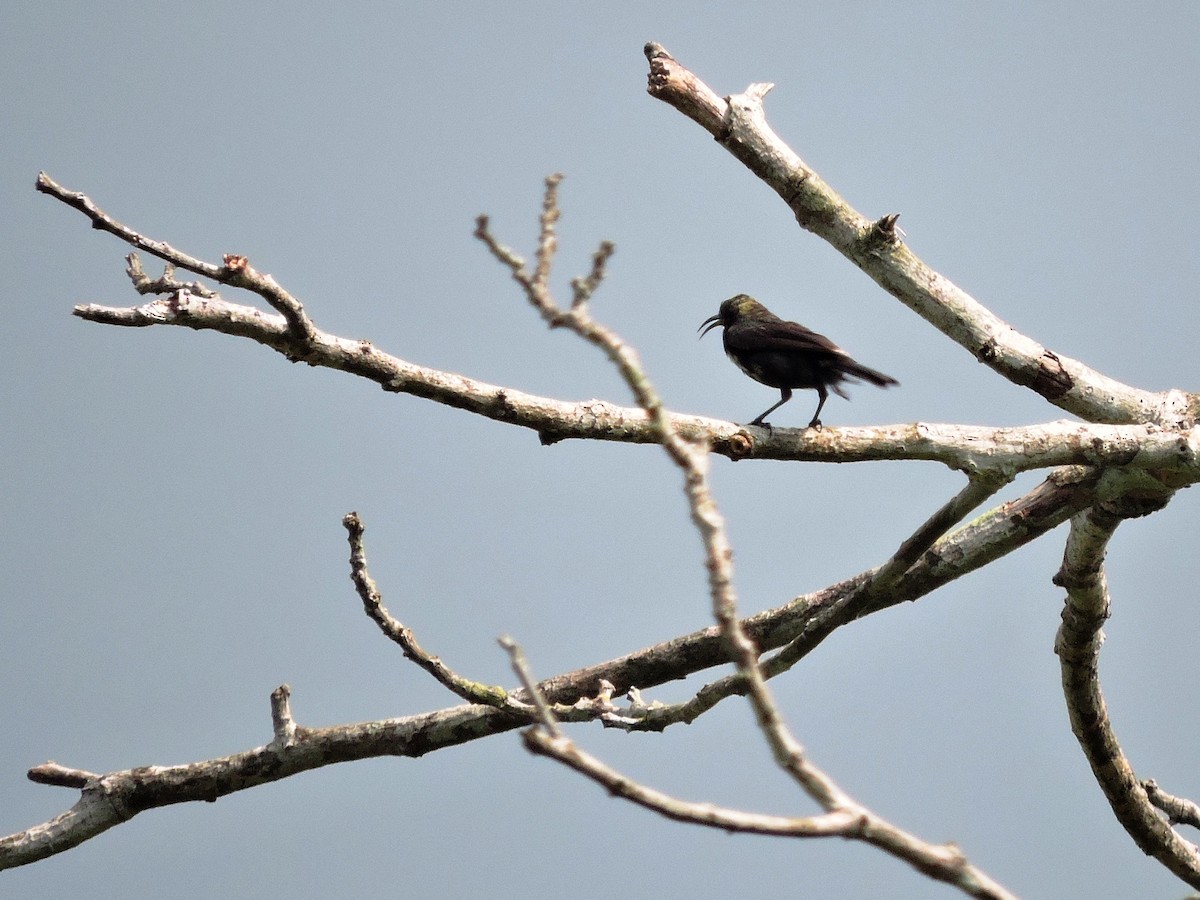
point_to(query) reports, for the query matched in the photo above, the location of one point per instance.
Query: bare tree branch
(236, 272)
(400, 634)
(944, 863)
(115, 797)
(835, 824)
(979, 488)
(1078, 647)
(805, 621)
(962, 447)
(166, 284)
(1101, 474)
(545, 715)
(965, 448)
(739, 125)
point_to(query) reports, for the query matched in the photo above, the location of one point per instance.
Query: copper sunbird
(785, 355)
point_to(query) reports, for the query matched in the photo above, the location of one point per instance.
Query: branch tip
(655, 50)
(759, 89)
(520, 666)
(282, 724)
(53, 774)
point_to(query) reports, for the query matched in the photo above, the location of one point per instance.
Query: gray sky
(172, 547)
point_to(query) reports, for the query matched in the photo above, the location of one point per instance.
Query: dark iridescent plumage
(785, 355)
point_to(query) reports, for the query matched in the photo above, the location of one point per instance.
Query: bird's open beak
(709, 324)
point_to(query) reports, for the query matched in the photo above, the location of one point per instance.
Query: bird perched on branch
(785, 355)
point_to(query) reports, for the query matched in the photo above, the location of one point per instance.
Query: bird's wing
(779, 335)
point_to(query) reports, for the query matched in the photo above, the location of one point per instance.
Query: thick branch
(739, 124)
(978, 489)
(110, 799)
(1078, 647)
(962, 447)
(972, 546)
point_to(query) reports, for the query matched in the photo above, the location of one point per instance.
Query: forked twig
(843, 815)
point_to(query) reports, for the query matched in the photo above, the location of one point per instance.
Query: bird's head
(731, 310)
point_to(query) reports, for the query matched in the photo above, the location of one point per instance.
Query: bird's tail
(858, 370)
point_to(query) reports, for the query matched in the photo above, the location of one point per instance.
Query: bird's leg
(824, 395)
(785, 395)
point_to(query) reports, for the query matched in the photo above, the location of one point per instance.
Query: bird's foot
(815, 423)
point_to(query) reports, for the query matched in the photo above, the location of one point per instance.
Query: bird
(785, 355)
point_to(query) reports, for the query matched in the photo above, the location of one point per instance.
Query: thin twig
(236, 271)
(558, 747)
(582, 709)
(582, 288)
(402, 635)
(520, 666)
(166, 284)
(554, 743)
(61, 776)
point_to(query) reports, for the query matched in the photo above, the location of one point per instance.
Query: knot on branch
(740, 445)
(883, 232)
(1049, 378)
(1135, 505)
(236, 264)
(1076, 579)
(660, 72)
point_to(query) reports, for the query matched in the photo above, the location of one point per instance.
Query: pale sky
(172, 546)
